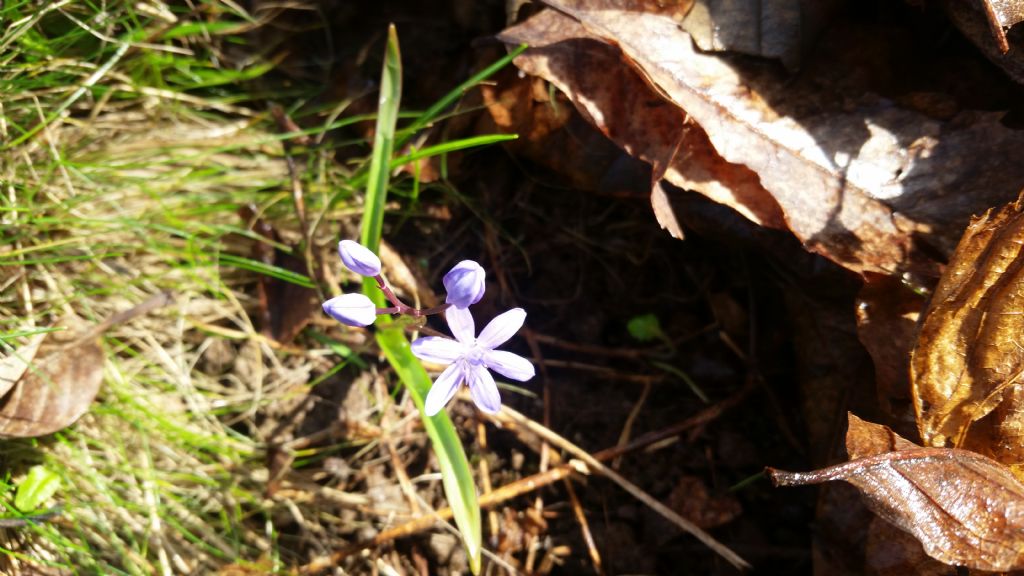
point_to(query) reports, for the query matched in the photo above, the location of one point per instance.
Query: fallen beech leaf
(982, 23)
(864, 439)
(858, 179)
(54, 392)
(887, 314)
(62, 379)
(967, 362)
(545, 121)
(992, 16)
(14, 365)
(633, 114)
(1005, 13)
(964, 508)
(778, 29)
(890, 551)
(664, 213)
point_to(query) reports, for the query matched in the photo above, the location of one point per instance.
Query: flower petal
(443, 389)
(437, 350)
(465, 284)
(483, 389)
(460, 322)
(358, 258)
(352, 309)
(503, 327)
(509, 365)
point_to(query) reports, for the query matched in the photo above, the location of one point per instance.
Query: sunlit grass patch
(126, 157)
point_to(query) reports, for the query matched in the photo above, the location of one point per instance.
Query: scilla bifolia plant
(468, 356)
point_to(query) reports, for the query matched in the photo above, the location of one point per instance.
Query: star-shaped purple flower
(469, 358)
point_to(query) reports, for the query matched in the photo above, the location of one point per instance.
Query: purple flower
(358, 258)
(465, 284)
(469, 357)
(352, 309)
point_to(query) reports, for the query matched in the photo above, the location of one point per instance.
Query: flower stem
(401, 307)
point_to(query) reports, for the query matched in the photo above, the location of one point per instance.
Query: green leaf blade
(40, 484)
(456, 474)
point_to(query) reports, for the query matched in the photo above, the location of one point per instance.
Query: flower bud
(352, 309)
(465, 284)
(358, 258)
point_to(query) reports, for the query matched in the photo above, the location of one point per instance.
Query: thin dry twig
(627, 428)
(396, 461)
(588, 537)
(634, 490)
(485, 477)
(590, 349)
(601, 371)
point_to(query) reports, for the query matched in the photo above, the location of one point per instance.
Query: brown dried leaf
(634, 115)
(664, 213)
(545, 121)
(890, 551)
(968, 359)
(13, 366)
(777, 29)
(54, 392)
(985, 21)
(63, 378)
(284, 308)
(858, 179)
(692, 500)
(887, 313)
(1006, 13)
(964, 508)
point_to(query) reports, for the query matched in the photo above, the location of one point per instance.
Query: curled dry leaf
(55, 390)
(779, 29)
(14, 365)
(985, 23)
(887, 314)
(633, 114)
(964, 508)
(890, 551)
(62, 377)
(967, 364)
(858, 179)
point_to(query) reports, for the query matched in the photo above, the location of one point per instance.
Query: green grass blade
(383, 145)
(441, 105)
(442, 148)
(456, 475)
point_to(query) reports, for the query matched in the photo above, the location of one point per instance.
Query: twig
(152, 303)
(577, 510)
(628, 486)
(627, 428)
(590, 349)
(601, 371)
(396, 460)
(545, 449)
(30, 520)
(313, 261)
(485, 477)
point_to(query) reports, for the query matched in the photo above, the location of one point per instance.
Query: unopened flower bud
(352, 309)
(465, 284)
(358, 258)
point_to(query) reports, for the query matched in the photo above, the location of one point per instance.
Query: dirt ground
(562, 221)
